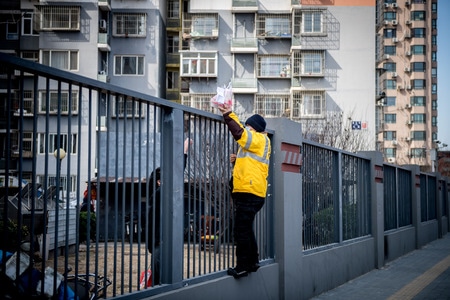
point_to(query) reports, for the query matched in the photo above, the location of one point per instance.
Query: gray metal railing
(106, 144)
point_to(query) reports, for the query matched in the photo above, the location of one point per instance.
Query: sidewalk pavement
(421, 274)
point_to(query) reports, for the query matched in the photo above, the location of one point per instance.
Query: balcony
(200, 26)
(244, 45)
(103, 42)
(244, 85)
(173, 24)
(244, 6)
(173, 59)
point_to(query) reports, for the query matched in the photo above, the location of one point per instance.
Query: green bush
(84, 224)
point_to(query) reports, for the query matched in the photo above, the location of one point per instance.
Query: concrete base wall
(328, 269)
(399, 243)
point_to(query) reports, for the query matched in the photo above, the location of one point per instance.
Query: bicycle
(88, 286)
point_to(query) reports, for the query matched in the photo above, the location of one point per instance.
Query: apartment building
(310, 61)
(407, 81)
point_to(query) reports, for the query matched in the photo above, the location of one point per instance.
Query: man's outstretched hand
(224, 108)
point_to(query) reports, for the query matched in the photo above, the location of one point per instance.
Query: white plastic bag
(224, 96)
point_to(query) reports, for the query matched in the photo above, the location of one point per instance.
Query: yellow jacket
(251, 167)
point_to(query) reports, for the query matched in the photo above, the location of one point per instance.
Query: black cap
(257, 122)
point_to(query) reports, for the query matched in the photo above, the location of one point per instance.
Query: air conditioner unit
(408, 53)
(409, 122)
(394, 142)
(386, 56)
(407, 106)
(394, 22)
(394, 5)
(408, 87)
(103, 24)
(407, 3)
(408, 35)
(394, 74)
(408, 22)
(387, 5)
(386, 22)
(407, 69)
(399, 87)
(408, 139)
(394, 40)
(391, 160)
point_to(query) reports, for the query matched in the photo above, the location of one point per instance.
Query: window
(273, 66)
(312, 22)
(434, 40)
(390, 84)
(434, 88)
(434, 72)
(308, 104)
(25, 147)
(391, 50)
(390, 33)
(418, 32)
(434, 7)
(434, 24)
(417, 101)
(53, 144)
(30, 55)
(418, 152)
(28, 24)
(434, 136)
(199, 101)
(199, 64)
(434, 56)
(128, 65)
(418, 66)
(126, 108)
(390, 67)
(272, 105)
(61, 59)
(418, 49)
(173, 9)
(55, 99)
(309, 63)
(418, 84)
(200, 25)
(418, 135)
(390, 15)
(390, 152)
(434, 105)
(418, 118)
(390, 101)
(12, 30)
(173, 80)
(173, 43)
(389, 135)
(59, 17)
(390, 118)
(51, 180)
(434, 121)
(418, 15)
(274, 25)
(129, 24)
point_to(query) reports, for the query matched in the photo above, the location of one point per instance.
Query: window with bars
(274, 25)
(56, 141)
(274, 66)
(173, 9)
(128, 65)
(126, 108)
(199, 101)
(309, 63)
(312, 22)
(61, 59)
(26, 104)
(129, 24)
(276, 105)
(308, 104)
(52, 180)
(58, 101)
(59, 17)
(198, 64)
(25, 147)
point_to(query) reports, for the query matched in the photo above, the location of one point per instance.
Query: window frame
(73, 15)
(132, 108)
(139, 68)
(72, 60)
(124, 21)
(53, 110)
(190, 61)
(273, 66)
(53, 142)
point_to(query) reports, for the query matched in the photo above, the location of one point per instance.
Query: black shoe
(253, 268)
(237, 272)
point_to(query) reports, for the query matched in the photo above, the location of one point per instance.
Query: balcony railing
(244, 85)
(244, 6)
(244, 45)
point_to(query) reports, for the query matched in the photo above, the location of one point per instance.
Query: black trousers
(246, 207)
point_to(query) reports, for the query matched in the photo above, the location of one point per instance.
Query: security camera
(437, 141)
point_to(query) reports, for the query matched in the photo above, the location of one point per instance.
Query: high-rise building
(407, 81)
(313, 61)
